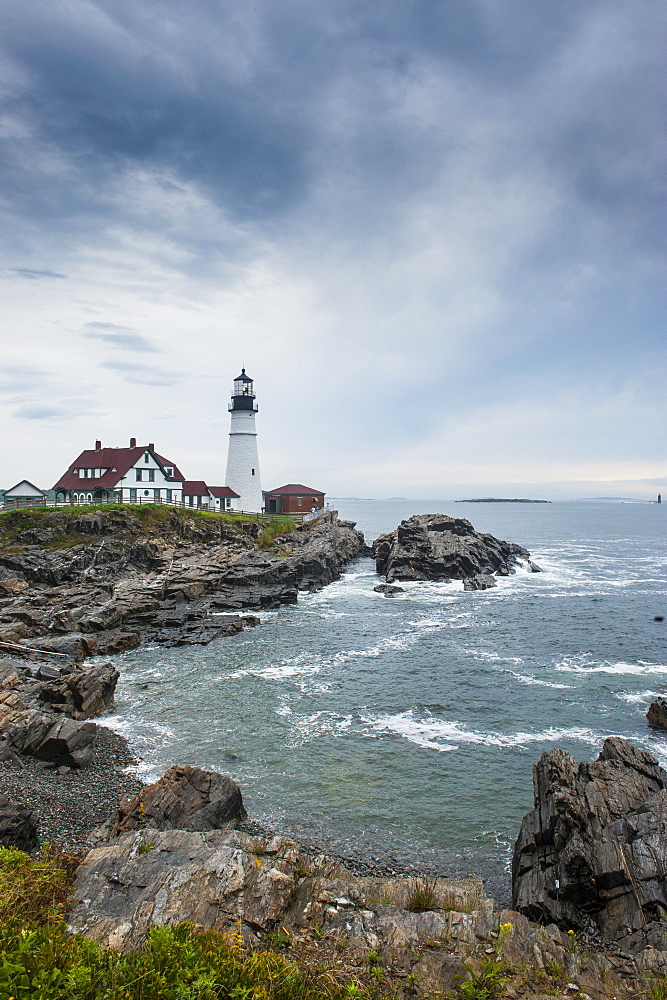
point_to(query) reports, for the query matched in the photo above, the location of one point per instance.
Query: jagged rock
(657, 713)
(223, 880)
(185, 798)
(83, 693)
(153, 877)
(600, 830)
(117, 642)
(68, 744)
(388, 589)
(483, 581)
(437, 547)
(18, 825)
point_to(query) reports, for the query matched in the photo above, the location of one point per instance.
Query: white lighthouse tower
(242, 462)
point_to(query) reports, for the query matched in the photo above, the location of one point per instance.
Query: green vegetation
(39, 960)
(152, 517)
(423, 895)
(279, 526)
(487, 982)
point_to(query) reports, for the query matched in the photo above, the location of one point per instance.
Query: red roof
(222, 491)
(195, 487)
(120, 459)
(293, 489)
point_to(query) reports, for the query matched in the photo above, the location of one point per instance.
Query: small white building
(24, 493)
(137, 474)
(197, 494)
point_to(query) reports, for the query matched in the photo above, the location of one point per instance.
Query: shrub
(423, 895)
(39, 960)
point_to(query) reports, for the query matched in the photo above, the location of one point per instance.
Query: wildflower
(506, 927)
(571, 932)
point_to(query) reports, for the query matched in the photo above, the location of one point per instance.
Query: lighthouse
(242, 462)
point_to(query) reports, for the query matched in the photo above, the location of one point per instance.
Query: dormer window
(147, 458)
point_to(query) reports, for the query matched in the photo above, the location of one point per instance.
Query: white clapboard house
(127, 475)
(137, 474)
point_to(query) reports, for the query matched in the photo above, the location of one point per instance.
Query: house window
(151, 475)
(133, 495)
(299, 501)
(169, 471)
(147, 458)
(168, 494)
(139, 474)
(191, 501)
(147, 493)
(156, 494)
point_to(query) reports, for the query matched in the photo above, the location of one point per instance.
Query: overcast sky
(431, 230)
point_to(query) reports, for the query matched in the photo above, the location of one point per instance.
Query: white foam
(639, 668)
(636, 697)
(528, 679)
(440, 734)
(484, 654)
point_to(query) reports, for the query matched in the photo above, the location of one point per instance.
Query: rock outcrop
(437, 547)
(657, 713)
(233, 882)
(18, 826)
(96, 584)
(185, 798)
(43, 710)
(592, 854)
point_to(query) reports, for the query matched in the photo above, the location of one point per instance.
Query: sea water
(406, 727)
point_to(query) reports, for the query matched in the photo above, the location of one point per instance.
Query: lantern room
(243, 396)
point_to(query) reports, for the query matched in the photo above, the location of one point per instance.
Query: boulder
(657, 713)
(388, 589)
(84, 693)
(185, 798)
(68, 744)
(592, 854)
(18, 825)
(153, 877)
(437, 547)
(483, 581)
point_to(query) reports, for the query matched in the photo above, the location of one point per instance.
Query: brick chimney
(98, 446)
(133, 442)
(151, 447)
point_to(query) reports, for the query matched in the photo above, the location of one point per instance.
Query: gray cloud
(141, 374)
(26, 272)
(120, 336)
(467, 193)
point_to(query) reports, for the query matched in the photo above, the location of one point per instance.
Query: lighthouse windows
(253, 472)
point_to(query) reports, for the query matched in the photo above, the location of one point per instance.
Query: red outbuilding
(293, 499)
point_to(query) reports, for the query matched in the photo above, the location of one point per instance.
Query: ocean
(405, 728)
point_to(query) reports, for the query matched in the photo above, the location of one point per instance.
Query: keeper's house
(293, 499)
(125, 475)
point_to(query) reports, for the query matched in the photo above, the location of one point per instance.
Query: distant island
(500, 500)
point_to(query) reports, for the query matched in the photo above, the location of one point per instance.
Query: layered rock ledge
(100, 583)
(438, 547)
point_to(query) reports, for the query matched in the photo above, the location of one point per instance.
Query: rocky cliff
(438, 547)
(592, 854)
(99, 583)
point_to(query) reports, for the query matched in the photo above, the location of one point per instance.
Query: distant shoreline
(499, 500)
